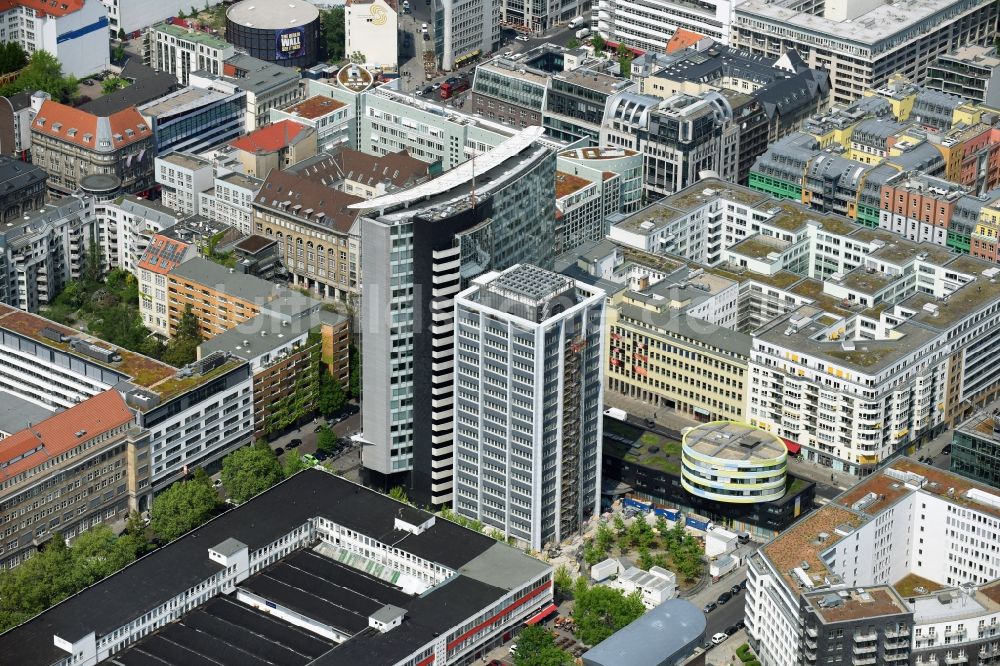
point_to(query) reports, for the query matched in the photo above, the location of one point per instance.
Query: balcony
(865, 649)
(956, 659)
(864, 638)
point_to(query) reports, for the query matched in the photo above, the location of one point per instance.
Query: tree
(122, 35)
(43, 72)
(592, 555)
(180, 14)
(354, 356)
(12, 57)
(331, 398)
(598, 43)
(188, 326)
(182, 507)
(625, 66)
(358, 58)
(601, 611)
(332, 32)
(537, 647)
(326, 441)
(118, 55)
(93, 269)
(183, 347)
(645, 559)
(294, 464)
(563, 581)
(572, 43)
(605, 538)
(619, 524)
(250, 471)
(398, 493)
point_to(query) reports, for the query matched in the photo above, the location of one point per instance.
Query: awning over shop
(542, 614)
(792, 447)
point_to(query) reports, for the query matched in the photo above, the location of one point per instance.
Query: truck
(575, 23)
(583, 32)
(453, 87)
(617, 414)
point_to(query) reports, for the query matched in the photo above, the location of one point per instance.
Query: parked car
(731, 629)
(946, 450)
(522, 38)
(295, 443)
(724, 597)
(427, 37)
(318, 428)
(217, 483)
(322, 455)
(735, 589)
(310, 460)
(278, 451)
(710, 606)
(743, 584)
(719, 638)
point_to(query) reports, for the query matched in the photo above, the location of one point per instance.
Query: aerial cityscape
(493, 333)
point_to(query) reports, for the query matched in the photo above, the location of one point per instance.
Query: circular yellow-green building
(732, 462)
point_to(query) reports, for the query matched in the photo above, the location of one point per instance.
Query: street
(348, 462)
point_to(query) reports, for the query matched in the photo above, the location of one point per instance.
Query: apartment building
(684, 135)
(788, 89)
(221, 298)
(331, 118)
(164, 253)
(70, 471)
(895, 570)
(647, 25)
(23, 186)
(969, 72)
(575, 103)
(420, 247)
(427, 597)
(268, 86)
(70, 144)
(314, 227)
(230, 201)
(194, 416)
(833, 300)
(861, 43)
(16, 113)
(182, 177)
(125, 227)
(180, 50)
(275, 147)
(464, 31)
(528, 432)
(282, 353)
(75, 32)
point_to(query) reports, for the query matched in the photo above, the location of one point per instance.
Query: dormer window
(56, 127)
(129, 132)
(142, 127)
(87, 137)
(71, 131)
(41, 122)
(117, 137)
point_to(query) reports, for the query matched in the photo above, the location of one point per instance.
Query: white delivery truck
(575, 23)
(615, 413)
(583, 32)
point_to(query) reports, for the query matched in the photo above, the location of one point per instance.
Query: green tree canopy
(250, 471)
(563, 581)
(331, 398)
(598, 43)
(326, 441)
(600, 611)
(332, 31)
(294, 464)
(398, 493)
(12, 57)
(537, 647)
(43, 72)
(182, 507)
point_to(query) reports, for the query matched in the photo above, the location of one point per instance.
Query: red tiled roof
(121, 129)
(163, 254)
(58, 433)
(682, 39)
(49, 7)
(270, 138)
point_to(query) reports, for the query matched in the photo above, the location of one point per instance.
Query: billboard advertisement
(289, 43)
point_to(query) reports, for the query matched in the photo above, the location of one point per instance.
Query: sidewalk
(639, 411)
(821, 474)
(725, 654)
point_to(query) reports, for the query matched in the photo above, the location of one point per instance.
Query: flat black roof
(168, 571)
(147, 84)
(227, 631)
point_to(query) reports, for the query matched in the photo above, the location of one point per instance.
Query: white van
(583, 32)
(575, 23)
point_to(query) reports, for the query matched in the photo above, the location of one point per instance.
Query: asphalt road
(725, 615)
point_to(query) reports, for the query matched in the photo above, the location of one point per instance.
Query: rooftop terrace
(873, 602)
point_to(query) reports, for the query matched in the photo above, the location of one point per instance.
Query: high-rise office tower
(420, 247)
(528, 416)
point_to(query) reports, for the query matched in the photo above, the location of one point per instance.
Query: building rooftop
(663, 634)
(567, 184)
(16, 413)
(145, 85)
(598, 153)
(729, 440)
(181, 101)
(258, 76)
(852, 605)
(215, 276)
(593, 80)
(89, 131)
(61, 432)
(191, 35)
(265, 15)
(484, 571)
(15, 174)
(315, 107)
(309, 199)
(272, 138)
(264, 333)
(186, 161)
(759, 247)
(873, 29)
